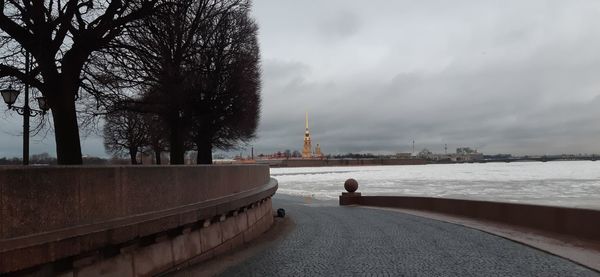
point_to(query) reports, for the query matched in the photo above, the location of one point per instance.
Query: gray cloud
(340, 25)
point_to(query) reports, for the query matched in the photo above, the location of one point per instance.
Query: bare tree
(165, 53)
(227, 95)
(61, 35)
(125, 132)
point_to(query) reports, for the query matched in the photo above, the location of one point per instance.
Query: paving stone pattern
(329, 240)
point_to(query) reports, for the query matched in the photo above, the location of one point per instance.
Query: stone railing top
(46, 198)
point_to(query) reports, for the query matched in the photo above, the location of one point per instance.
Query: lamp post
(10, 96)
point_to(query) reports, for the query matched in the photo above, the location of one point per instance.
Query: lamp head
(10, 96)
(43, 103)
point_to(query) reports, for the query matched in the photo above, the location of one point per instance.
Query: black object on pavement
(280, 212)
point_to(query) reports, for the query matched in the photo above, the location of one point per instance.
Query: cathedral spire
(307, 121)
(307, 150)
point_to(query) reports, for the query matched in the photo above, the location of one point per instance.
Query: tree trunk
(133, 155)
(157, 155)
(204, 151)
(66, 129)
(176, 143)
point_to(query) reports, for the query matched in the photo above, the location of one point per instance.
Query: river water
(559, 183)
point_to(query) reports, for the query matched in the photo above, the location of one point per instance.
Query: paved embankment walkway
(329, 240)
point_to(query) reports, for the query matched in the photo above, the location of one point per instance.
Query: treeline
(165, 75)
(361, 156)
(46, 159)
(296, 154)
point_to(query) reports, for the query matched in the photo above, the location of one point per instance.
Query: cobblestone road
(329, 240)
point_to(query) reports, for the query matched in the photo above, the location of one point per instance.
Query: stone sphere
(351, 185)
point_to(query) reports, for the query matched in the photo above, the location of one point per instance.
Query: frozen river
(572, 183)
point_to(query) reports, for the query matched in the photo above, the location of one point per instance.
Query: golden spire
(307, 150)
(306, 120)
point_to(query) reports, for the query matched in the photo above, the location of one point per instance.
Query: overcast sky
(499, 76)
(504, 76)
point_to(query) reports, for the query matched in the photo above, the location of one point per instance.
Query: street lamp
(10, 96)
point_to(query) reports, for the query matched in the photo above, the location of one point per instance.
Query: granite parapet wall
(51, 214)
(192, 245)
(579, 223)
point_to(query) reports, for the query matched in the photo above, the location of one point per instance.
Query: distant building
(403, 155)
(318, 153)
(463, 154)
(465, 151)
(307, 151)
(467, 154)
(426, 154)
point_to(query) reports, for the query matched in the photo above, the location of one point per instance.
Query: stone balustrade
(76, 219)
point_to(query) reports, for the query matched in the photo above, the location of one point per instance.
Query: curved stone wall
(59, 214)
(580, 223)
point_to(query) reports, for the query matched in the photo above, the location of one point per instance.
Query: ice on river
(561, 183)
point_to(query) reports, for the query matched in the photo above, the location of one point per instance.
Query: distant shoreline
(277, 163)
(339, 162)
